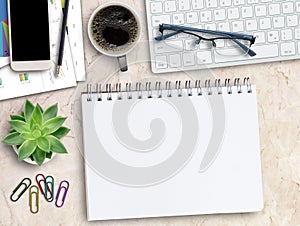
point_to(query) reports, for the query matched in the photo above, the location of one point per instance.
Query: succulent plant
(37, 133)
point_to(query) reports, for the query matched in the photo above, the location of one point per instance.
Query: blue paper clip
(66, 188)
(49, 180)
(27, 185)
(35, 193)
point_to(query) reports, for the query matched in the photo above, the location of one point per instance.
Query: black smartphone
(29, 35)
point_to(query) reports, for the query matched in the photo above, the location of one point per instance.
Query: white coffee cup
(120, 55)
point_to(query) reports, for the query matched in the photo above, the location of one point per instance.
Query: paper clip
(27, 185)
(42, 187)
(37, 200)
(49, 181)
(61, 186)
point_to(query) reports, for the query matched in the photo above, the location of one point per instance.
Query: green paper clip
(49, 180)
(27, 185)
(37, 199)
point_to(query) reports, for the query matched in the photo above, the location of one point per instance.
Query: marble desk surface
(279, 119)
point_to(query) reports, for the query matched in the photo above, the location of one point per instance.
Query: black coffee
(114, 28)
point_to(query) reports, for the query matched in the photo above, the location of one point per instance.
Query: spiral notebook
(171, 149)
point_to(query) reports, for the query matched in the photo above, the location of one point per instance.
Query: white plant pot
(28, 160)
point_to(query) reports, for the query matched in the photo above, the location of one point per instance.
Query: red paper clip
(42, 187)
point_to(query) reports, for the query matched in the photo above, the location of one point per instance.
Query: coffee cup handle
(123, 63)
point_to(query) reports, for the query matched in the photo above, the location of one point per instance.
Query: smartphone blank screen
(29, 30)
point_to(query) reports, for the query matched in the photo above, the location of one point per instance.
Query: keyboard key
(247, 12)
(273, 36)
(197, 4)
(183, 5)
(292, 21)
(168, 46)
(170, 6)
(210, 27)
(175, 60)
(288, 49)
(205, 16)
(297, 33)
(178, 18)
(192, 17)
(161, 62)
(233, 13)
(156, 20)
(219, 14)
(286, 34)
(264, 51)
(265, 23)
(190, 44)
(156, 7)
(278, 22)
(237, 26)
(204, 57)
(224, 26)
(260, 10)
(252, 2)
(274, 9)
(188, 59)
(211, 3)
(298, 47)
(298, 7)
(251, 25)
(225, 3)
(260, 37)
(288, 7)
(238, 2)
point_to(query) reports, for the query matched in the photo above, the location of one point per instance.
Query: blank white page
(171, 156)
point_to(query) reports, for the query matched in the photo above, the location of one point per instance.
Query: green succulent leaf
(19, 126)
(17, 117)
(27, 136)
(26, 149)
(49, 155)
(56, 145)
(39, 156)
(50, 112)
(39, 106)
(29, 107)
(44, 144)
(53, 124)
(13, 139)
(37, 116)
(61, 132)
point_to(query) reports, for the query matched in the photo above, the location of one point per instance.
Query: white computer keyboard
(275, 23)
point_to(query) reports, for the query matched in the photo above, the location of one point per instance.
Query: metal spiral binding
(128, 91)
(99, 92)
(178, 88)
(237, 82)
(248, 84)
(208, 87)
(89, 91)
(158, 89)
(139, 90)
(169, 89)
(228, 85)
(218, 84)
(148, 89)
(119, 90)
(238, 85)
(198, 87)
(109, 91)
(188, 88)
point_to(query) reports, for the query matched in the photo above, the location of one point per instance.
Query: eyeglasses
(224, 43)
